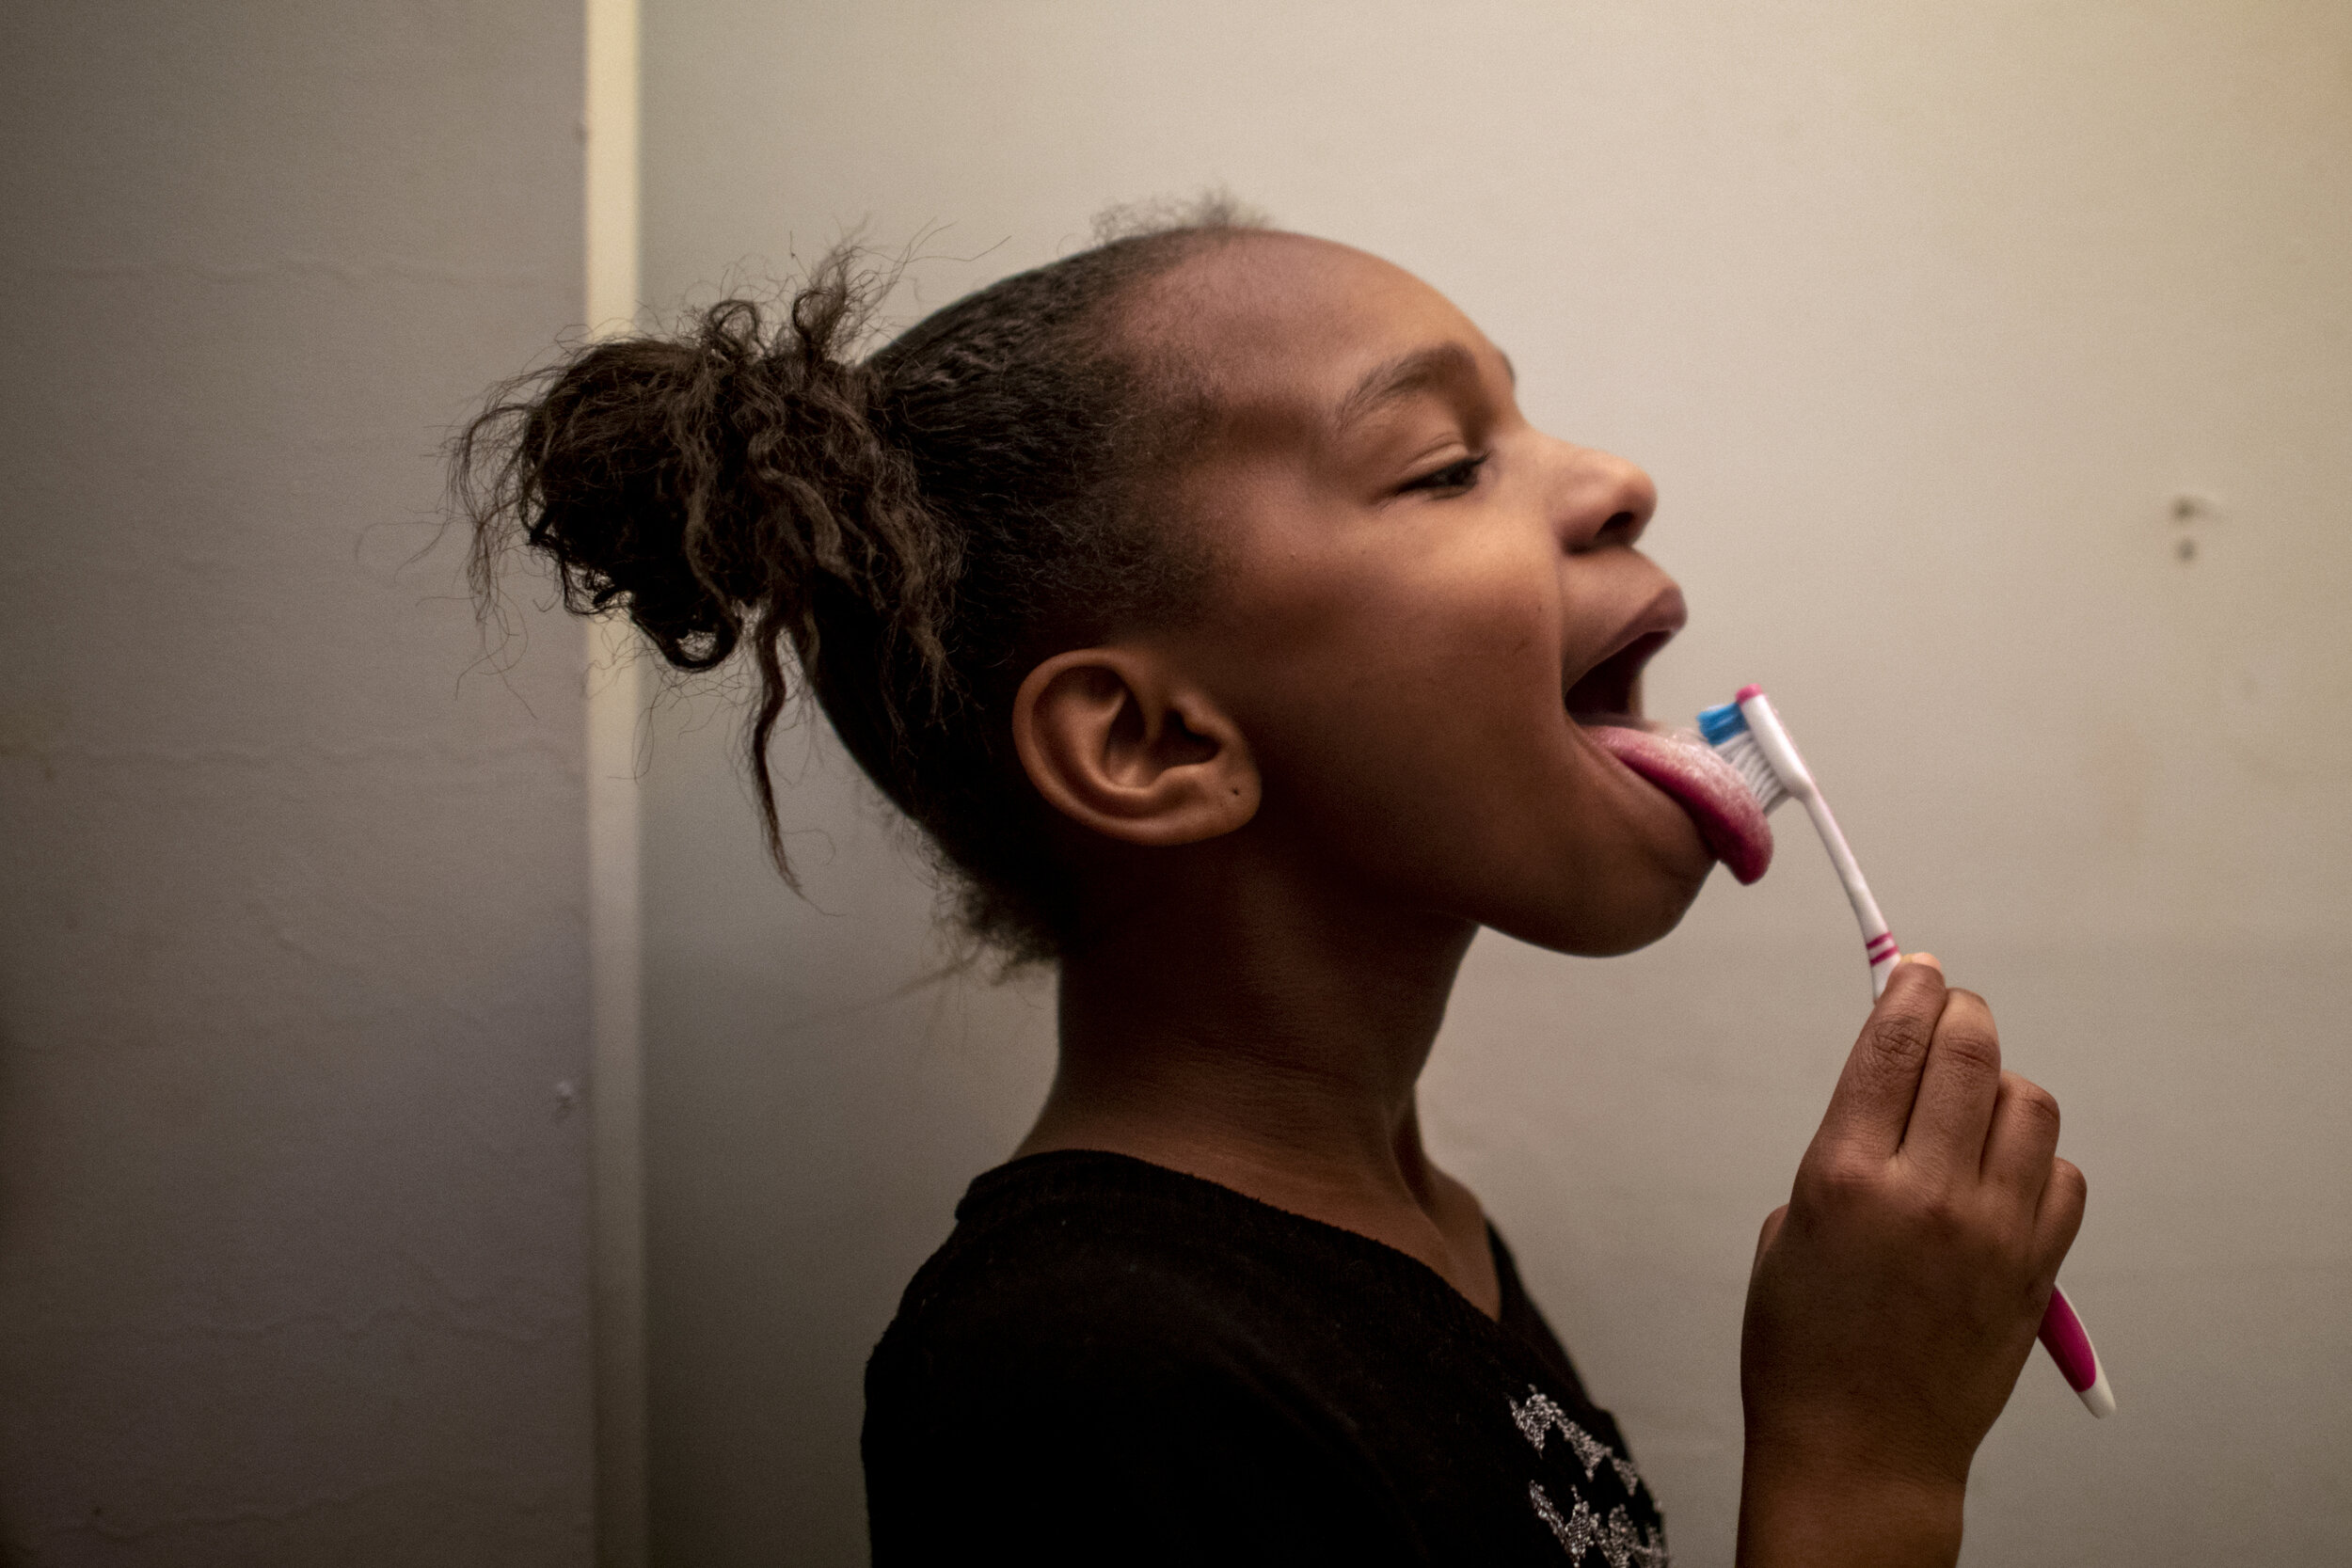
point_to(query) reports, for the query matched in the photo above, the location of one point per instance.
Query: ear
(1115, 741)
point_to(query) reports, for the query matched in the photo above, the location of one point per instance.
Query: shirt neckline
(1409, 1269)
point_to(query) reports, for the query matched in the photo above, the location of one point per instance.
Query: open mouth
(1611, 691)
(1606, 704)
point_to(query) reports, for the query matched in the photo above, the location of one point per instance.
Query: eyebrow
(1406, 375)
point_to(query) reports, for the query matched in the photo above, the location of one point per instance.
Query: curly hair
(911, 534)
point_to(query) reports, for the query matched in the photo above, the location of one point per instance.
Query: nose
(1606, 501)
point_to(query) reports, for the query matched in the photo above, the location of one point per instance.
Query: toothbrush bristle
(1747, 759)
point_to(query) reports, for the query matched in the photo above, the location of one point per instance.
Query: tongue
(1703, 784)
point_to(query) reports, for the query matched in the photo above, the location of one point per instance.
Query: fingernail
(1927, 958)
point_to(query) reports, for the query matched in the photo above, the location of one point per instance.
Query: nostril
(1622, 528)
(1618, 532)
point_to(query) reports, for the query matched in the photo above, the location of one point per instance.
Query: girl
(1242, 651)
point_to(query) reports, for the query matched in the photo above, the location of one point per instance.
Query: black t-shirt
(1109, 1362)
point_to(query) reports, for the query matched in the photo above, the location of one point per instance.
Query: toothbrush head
(1728, 731)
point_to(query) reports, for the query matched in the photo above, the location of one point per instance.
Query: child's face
(1422, 594)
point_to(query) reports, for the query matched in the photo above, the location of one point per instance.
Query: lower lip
(1714, 796)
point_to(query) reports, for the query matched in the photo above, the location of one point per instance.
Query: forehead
(1287, 327)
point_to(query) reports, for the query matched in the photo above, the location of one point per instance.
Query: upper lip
(1611, 685)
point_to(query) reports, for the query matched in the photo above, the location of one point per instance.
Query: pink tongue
(1703, 784)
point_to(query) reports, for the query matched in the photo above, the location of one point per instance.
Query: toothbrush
(1748, 734)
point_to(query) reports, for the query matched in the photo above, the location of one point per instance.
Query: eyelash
(1443, 479)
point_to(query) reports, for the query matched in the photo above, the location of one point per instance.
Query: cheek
(1420, 748)
(1386, 702)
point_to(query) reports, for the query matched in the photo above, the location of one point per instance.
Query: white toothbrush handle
(1878, 942)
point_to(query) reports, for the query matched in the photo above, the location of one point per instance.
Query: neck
(1272, 1043)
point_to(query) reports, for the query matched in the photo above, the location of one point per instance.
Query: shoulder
(1097, 1343)
(1071, 1268)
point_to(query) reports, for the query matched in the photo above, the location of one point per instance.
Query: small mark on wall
(2191, 513)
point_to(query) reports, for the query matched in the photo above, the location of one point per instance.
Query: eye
(1459, 475)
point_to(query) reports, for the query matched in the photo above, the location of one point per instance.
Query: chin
(1627, 925)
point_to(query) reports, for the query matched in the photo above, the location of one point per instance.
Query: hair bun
(699, 481)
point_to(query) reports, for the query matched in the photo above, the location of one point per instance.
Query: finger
(1772, 1222)
(1957, 1089)
(2022, 1139)
(2060, 1216)
(1872, 1101)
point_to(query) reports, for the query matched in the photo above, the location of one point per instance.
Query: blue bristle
(1720, 724)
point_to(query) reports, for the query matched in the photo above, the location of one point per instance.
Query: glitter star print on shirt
(1583, 1529)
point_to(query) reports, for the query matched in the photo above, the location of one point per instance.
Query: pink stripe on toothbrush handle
(2063, 1336)
(1880, 947)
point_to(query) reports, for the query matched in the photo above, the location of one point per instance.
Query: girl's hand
(1895, 1295)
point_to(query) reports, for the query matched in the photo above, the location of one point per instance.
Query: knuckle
(2062, 1210)
(2067, 1179)
(1838, 1181)
(1970, 1045)
(1971, 1056)
(1969, 1006)
(1898, 1041)
(2035, 1104)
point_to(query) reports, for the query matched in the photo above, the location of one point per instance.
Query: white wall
(1921, 316)
(293, 1229)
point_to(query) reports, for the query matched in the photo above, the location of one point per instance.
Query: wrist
(1798, 1514)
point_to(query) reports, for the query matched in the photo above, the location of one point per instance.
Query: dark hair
(914, 532)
